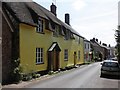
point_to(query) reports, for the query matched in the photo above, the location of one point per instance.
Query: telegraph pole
(118, 43)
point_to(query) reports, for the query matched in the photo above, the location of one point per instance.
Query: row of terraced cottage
(36, 37)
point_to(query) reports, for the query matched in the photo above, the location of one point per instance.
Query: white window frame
(66, 54)
(40, 25)
(39, 55)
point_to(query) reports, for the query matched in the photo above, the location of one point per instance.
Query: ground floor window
(66, 54)
(39, 55)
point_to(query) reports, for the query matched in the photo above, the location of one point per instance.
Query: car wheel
(102, 75)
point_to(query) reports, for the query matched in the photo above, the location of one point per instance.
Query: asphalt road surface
(87, 76)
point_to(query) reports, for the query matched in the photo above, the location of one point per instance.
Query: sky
(90, 18)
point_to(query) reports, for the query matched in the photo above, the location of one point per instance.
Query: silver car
(110, 67)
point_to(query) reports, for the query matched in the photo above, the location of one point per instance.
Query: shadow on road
(110, 77)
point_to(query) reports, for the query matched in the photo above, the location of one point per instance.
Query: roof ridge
(69, 27)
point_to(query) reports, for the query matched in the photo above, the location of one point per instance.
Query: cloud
(101, 30)
(101, 15)
(78, 4)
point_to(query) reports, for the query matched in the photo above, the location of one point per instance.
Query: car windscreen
(110, 64)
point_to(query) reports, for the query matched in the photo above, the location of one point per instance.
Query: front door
(53, 57)
(56, 60)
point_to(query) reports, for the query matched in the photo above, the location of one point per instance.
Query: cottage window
(56, 31)
(47, 24)
(66, 54)
(61, 31)
(88, 46)
(39, 55)
(78, 55)
(85, 45)
(40, 25)
(72, 36)
(67, 35)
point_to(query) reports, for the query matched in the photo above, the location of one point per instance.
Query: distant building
(112, 52)
(87, 50)
(96, 49)
(100, 50)
(106, 51)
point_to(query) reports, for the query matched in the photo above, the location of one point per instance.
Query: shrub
(50, 72)
(26, 77)
(16, 71)
(29, 76)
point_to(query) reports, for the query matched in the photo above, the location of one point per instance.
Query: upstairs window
(61, 31)
(40, 25)
(56, 31)
(67, 35)
(88, 46)
(72, 35)
(85, 45)
(47, 24)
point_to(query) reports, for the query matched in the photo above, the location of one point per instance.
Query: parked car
(110, 67)
(115, 58)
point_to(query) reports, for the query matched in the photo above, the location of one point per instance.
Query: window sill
(41, 32)
(39, 63)
(65, 59)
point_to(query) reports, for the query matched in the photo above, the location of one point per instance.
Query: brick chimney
(67, 18)
(93, 39)
(53, 9)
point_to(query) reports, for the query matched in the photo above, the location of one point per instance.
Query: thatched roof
(26, 12)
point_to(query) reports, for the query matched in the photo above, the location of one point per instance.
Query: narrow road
(82, 77)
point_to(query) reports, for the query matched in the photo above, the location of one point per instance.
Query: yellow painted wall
(30, 39)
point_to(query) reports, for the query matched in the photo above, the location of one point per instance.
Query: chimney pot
(53, 9)
(67, 18)
(94, 39)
